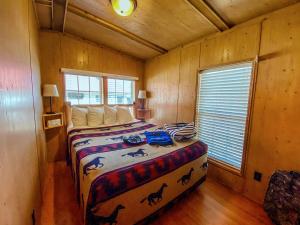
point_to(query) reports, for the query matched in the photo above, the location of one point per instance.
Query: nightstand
(143, 114)
(53, 120)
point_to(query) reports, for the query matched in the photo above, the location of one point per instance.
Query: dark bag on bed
(282, 201)
(133, 140)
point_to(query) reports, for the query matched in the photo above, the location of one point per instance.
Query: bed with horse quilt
(118, 183)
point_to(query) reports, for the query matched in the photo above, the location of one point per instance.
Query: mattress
(124, 184)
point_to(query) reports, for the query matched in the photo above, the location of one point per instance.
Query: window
(83, 89)
(88, 90)
(222, 111)
(120, 91)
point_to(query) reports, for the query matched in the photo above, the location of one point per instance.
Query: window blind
(120, 91)
(221, 111)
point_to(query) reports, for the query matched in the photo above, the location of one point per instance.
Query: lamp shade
(142, 94)
(50, 90)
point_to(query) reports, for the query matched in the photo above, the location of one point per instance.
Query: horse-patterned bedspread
(123, 184)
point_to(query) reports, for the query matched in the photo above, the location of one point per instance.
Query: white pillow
(124, 115)
(79, 116)
(95, 116)
(110, 115)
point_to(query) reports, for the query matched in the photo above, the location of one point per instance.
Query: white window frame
(132, 94)
(101, 91)
(216, 162)
(104, 84)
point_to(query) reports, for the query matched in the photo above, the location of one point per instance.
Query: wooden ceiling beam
(52, 14)
(59, 11)
(65, 15)
(84, 14)
(209, 13)
(47, 3)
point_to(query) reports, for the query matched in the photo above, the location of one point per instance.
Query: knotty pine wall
(274, 136)
(58, 51)
(22, 140)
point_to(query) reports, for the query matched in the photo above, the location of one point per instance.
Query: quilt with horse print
(119, 183)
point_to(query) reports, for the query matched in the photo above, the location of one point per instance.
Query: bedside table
(53, 120)
(143, 114)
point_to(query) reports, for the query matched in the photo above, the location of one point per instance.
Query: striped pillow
(181, 131)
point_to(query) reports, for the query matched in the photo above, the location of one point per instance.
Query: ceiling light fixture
(124, 7)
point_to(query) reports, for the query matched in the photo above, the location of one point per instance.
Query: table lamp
(142, 95)
(50, 90)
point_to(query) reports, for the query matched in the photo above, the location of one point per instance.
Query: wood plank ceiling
(155, 27)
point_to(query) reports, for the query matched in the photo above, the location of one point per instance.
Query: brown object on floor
(210, 204)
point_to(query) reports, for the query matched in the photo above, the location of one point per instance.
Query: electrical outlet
(33, 217)
(257, 176)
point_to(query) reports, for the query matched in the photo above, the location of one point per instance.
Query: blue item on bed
(158, 138)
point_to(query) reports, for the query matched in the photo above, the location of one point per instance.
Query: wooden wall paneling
(37, 93)
(129, 65)
(171, 85)
(59, 50)
(231, 47)
(233, 181)
(150, 83)
(110, 61)
(162, 77)
(51, 62)
(93, 54)
(275, 139)
(273, 143)
(19, 161)
(118, 63)
(223, 48)
(74, 53)
(237, 45)
(50, 58)
(189, 65)
(135, 68)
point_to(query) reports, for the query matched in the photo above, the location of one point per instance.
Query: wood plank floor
(211, 204)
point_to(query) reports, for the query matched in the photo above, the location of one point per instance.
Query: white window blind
(120, 91)
(221, 112)
(85, 90)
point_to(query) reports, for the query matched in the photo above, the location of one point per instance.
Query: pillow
(181, 131)
(95, 116)
(79, 116)
(110, 115)
(124, 115)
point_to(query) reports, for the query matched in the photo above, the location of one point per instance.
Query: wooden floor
(212, 203)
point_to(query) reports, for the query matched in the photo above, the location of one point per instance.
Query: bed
(118, 183)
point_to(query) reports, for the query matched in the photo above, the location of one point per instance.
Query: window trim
(119, 78)
(98, 74)
(247, 132)
(89, 91)
(103, 84)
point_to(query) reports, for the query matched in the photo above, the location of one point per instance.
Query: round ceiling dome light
(124, 7)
